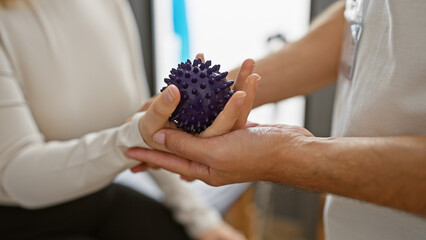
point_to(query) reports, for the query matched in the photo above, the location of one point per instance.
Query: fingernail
(256, 84)
(240, 99)
(257, 81)
(159, 138)
(169, 96)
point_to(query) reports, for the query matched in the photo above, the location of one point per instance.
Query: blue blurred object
(180, 25)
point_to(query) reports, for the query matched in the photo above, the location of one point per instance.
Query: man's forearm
(389, 171)
(306, 65)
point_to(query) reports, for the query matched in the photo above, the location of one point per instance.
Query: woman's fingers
(235, 118)
(228, 117)
(160, 110)
(200, 56)
(250, 89)
(245, 70)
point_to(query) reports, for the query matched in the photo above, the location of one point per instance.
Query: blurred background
(228, 32)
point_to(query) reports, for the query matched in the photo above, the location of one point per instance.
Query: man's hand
(388, 171)
(249, 154)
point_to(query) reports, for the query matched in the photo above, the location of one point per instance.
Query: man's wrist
(303, 163)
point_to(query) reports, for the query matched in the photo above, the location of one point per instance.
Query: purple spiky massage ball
(204, 92)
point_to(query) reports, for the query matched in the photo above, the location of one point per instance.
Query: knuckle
(199, 169)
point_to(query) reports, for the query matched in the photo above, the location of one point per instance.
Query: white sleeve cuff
(131, 136)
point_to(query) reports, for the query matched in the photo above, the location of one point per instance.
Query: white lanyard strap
(354, 11)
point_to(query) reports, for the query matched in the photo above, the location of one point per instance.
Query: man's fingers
(228, 117)
(200, 56)
(188, 179)
(170, 162)
(250, 88)
(139, 168)
(160, 110)
(245, 70)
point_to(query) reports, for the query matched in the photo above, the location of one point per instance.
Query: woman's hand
(222, 232)
(234, 116)
(157, 116)
(246, 69)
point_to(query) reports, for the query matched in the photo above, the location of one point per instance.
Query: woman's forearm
(40, 174)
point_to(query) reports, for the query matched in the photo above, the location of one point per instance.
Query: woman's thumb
(159, 112)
